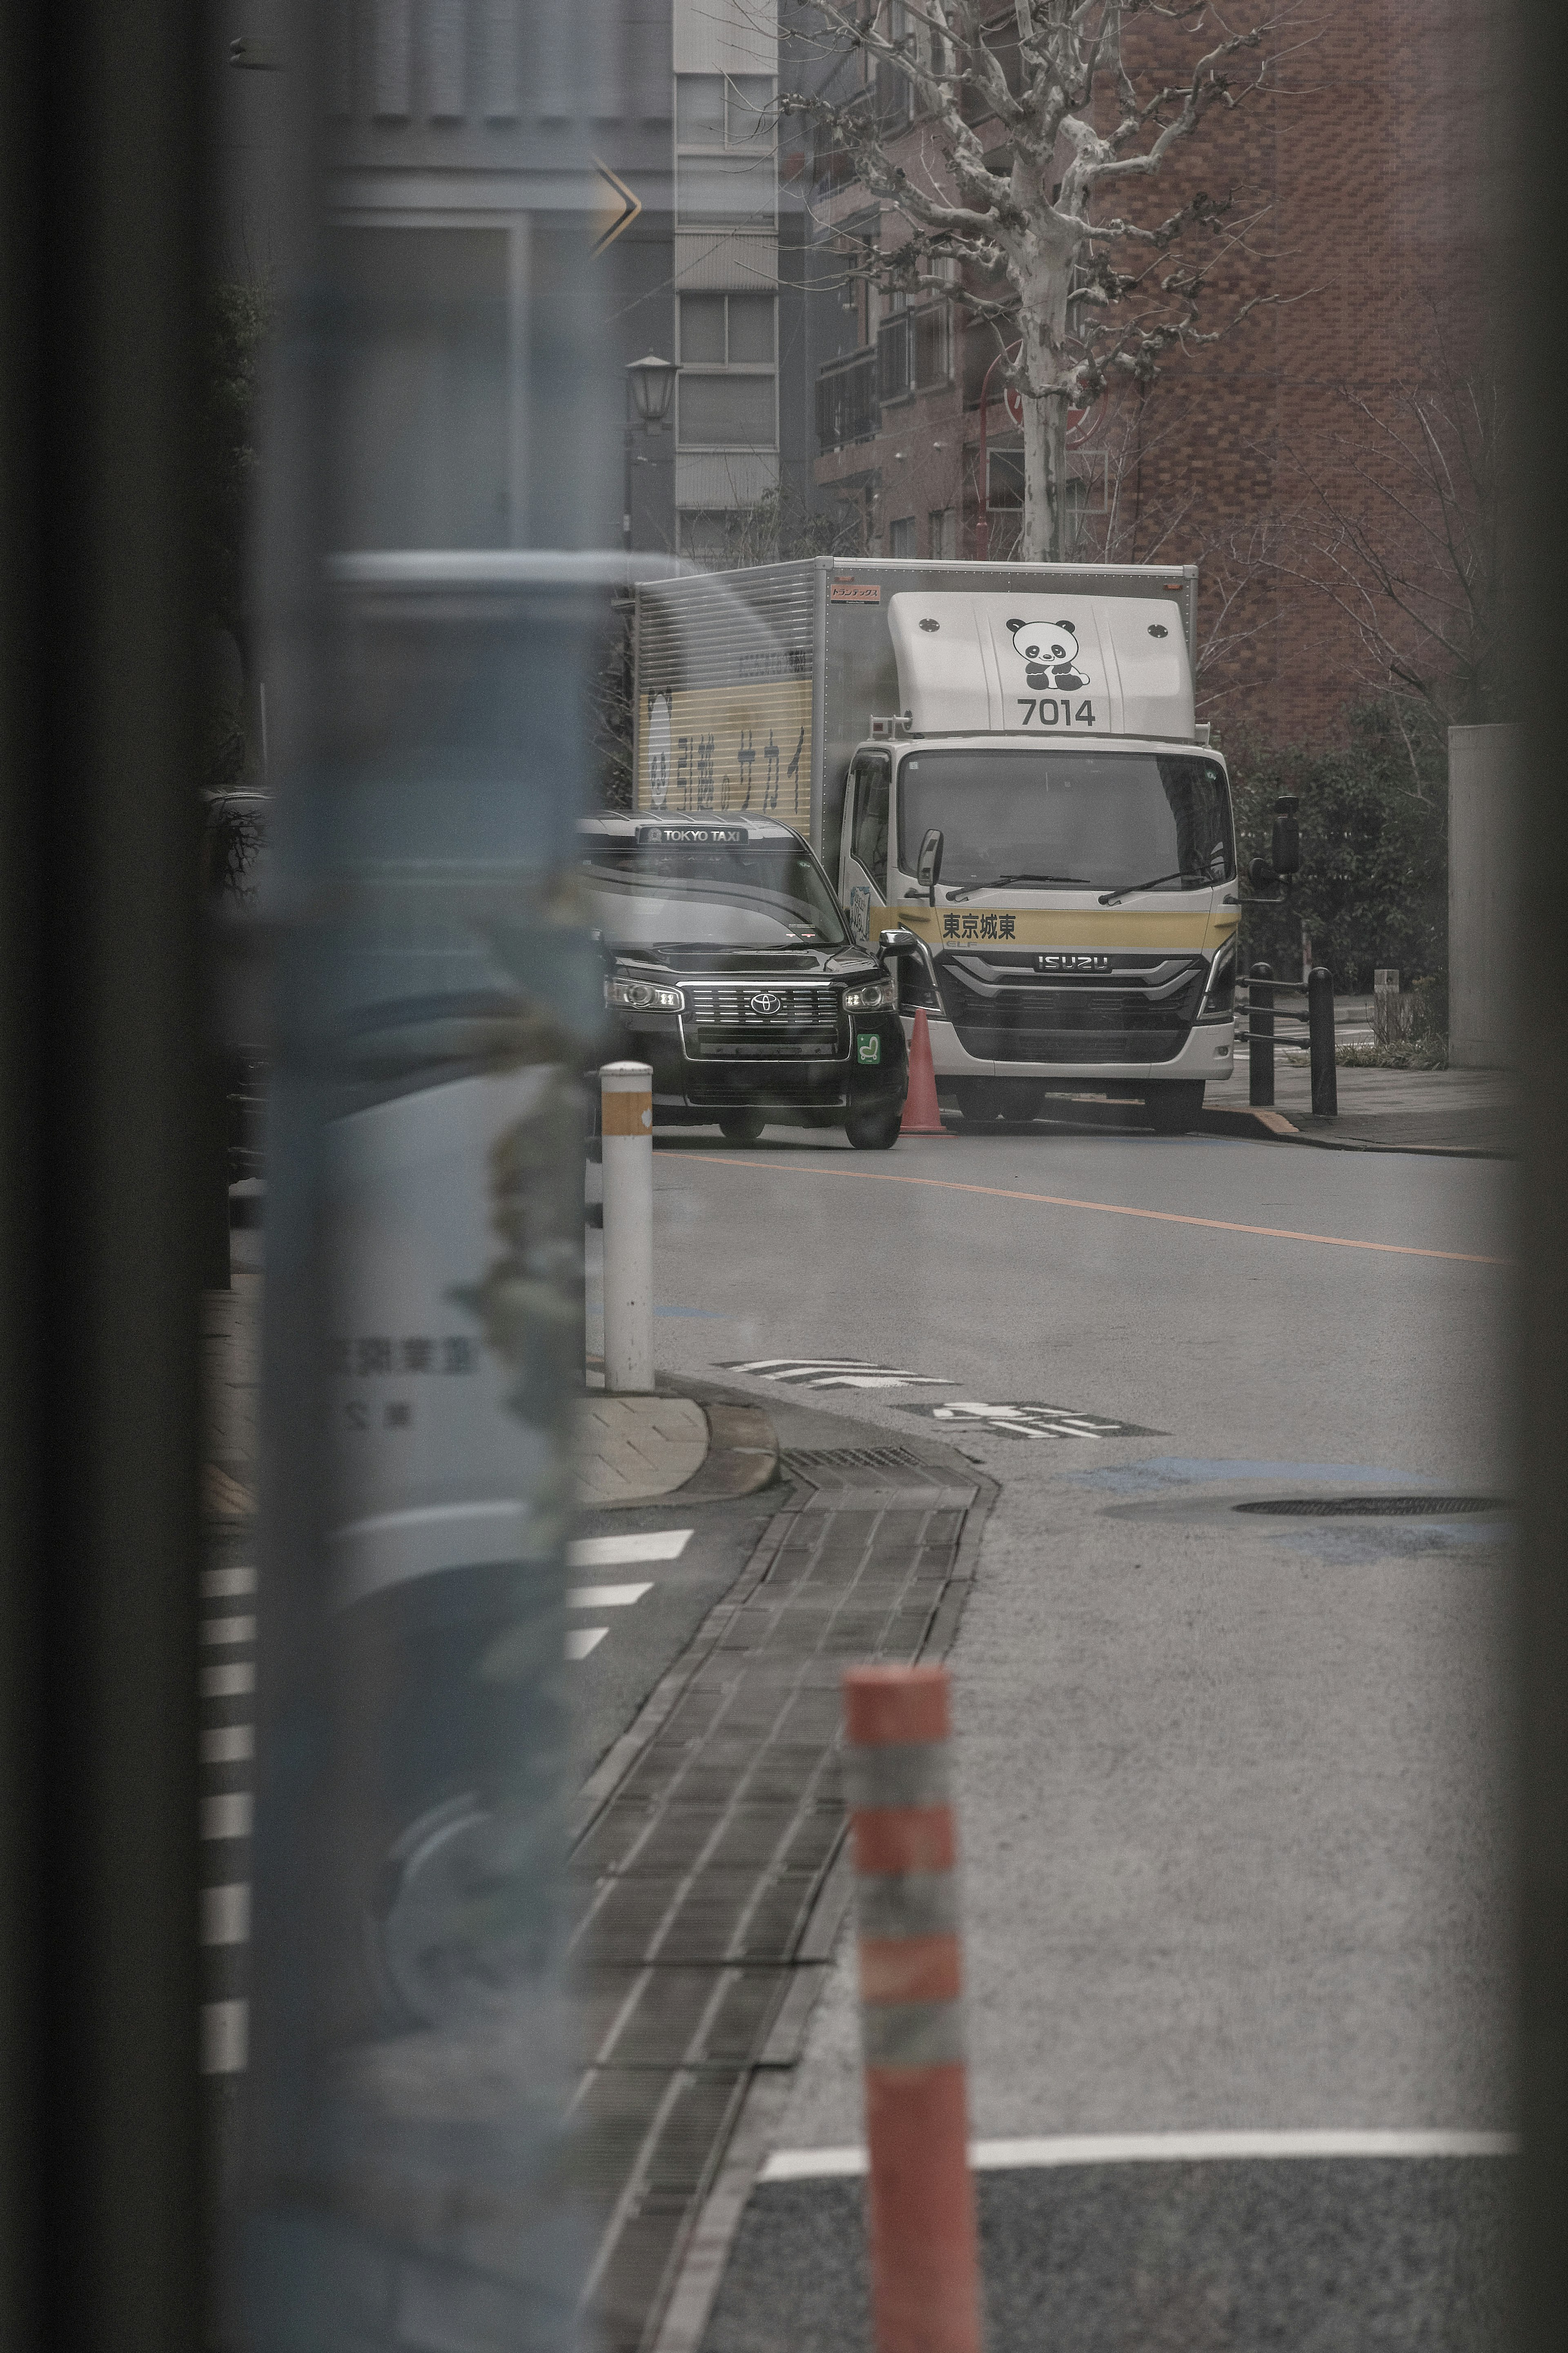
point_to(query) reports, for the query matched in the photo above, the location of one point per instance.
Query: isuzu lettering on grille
(1072, 963)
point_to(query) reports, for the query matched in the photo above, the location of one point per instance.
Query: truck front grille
(1003, 1013)
(754, 1022)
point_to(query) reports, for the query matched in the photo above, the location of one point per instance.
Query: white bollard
(627, 1127)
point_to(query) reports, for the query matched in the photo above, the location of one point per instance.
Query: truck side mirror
(899, 942)
(1287, 858)
(927, 873)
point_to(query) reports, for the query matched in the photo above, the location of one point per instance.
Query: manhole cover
(1374, 1507)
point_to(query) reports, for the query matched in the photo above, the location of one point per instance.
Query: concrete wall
(1483, 895)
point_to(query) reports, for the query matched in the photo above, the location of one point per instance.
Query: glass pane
(699, 110)
(1111, 820)
(750, 97)
(702, 328)
(727, 412)
(871, 825)
(901, 539)
(751, 330)
(426, 415)
(734, 189)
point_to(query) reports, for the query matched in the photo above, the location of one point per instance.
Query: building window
(726, 412)
(902, 537)
(944, 522)
(727, 330)
(724, 111)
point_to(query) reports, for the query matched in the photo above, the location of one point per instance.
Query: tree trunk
(1045, 461)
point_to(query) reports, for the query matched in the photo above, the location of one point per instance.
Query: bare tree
(1033, 126)
(1408, 540)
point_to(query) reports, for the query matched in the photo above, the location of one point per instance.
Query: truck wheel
(1176, 1106)
(873, 1131)
(1023, 1101)
(741, 1126)
(982, 1102)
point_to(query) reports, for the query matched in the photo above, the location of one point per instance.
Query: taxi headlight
(871, 996)
(643, 996)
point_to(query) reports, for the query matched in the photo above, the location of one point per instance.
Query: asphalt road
(1231, 1785)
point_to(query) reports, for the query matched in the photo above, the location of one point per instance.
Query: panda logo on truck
(1048, 650)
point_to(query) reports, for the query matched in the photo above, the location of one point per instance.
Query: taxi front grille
(754, 1022)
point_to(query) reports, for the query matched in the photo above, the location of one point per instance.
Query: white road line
(225, 1914)
(225, 2034)
(227, 1682)
(226, 1815)
(583, 1639)
(619, 1552)
(216, 1632)
(226, 1584)
(228, 1744)
(1168, 2149)
(605, 1597)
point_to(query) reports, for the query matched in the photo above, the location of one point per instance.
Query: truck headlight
(871, 996)
(644, 996)
(1219, 996)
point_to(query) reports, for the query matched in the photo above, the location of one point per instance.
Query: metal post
(104, 1175)
(1260, 1036)
(627, 1126)
(1320, 1036)
(925, 2265)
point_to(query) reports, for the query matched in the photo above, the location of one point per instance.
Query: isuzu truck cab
(1031, 797)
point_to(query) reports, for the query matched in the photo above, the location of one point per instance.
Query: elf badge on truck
(1003, 759)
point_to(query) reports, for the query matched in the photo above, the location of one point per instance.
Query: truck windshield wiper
(1182, 874)
(1086, 881)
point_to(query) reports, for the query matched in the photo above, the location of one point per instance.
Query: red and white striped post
(925, 2270)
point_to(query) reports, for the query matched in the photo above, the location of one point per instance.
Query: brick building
(1380, 159)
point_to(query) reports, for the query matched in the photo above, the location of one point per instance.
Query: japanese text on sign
(367, 1359)
(976, 923)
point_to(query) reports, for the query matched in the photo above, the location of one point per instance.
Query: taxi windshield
(1110, 819)
(746, 895)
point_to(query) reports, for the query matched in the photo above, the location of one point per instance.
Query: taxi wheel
(873, 1131)
(741, 1126)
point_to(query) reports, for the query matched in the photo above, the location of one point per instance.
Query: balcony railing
(847, 404)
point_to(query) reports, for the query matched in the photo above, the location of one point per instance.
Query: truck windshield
(1109, 819)
(761, 896)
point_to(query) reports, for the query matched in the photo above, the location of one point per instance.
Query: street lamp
(652, 382)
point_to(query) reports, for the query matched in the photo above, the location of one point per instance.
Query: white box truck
(1002, 758)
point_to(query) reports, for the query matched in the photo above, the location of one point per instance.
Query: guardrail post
(1320, 1038)
(925, 2267)
(627, 1125)
(1260, 1036)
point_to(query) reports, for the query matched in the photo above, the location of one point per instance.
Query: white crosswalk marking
(225, 1914)
(216, 1632)
(227, 1682)
(835, 1373)
(581, 1640)
(605, 1597)
(225, 2034)
(226, 1584)
(228, 1744)
(226, 1815)
(620, 1552)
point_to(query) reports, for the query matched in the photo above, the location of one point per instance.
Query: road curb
(1266, 1127)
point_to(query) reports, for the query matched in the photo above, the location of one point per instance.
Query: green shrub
(1374, 885)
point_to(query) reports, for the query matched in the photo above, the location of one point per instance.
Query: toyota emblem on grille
(766, 1003)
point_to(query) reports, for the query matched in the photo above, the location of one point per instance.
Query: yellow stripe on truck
(1092, 928)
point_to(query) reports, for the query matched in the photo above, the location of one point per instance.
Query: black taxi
(729, 967)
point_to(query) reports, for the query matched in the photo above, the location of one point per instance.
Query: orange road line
(1107, 1209)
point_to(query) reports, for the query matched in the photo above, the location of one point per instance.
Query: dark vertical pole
(101, 1165)
(1320, 1041)
(1260, 1036)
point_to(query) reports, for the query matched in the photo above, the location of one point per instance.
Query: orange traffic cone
(921, 1113)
